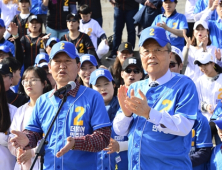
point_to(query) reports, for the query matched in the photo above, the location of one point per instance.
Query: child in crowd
(113, 157)
(90, 26)
(88, 65)
(81, 40)
(21, 20)
(30, 45)
(35, 84)
(132, 71)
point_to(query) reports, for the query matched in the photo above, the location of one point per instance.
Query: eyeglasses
(71, 20)
(129, 70)
(155, 51)
(32, 81)
(172, 65)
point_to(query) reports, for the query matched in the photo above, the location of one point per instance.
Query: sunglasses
(71, 20)
(128, 70)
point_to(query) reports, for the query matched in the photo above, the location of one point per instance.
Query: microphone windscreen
(73, 84)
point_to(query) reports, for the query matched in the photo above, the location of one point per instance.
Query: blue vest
(80, 115)
(150, 149)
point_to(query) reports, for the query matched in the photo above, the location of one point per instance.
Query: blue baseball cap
(5, 49)
(88, 57)
(2, 23)
(156, 33)
(218, 122)
(101, 72)
(66, 47)
(52, 39)
(41, 56)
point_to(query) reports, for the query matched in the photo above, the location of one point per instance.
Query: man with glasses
(82, 128)
(132, 71)
(157, 113)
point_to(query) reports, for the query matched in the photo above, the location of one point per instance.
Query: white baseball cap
(204, 58)
(177, 51)
(201, 22)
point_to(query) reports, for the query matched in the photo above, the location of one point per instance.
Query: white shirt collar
(165, 78)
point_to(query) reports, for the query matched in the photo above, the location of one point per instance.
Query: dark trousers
(120, 18)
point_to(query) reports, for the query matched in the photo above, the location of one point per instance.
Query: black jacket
(22, 24)
(16, 99)
(28, 48)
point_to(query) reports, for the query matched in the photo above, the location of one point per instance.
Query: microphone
(70, 86)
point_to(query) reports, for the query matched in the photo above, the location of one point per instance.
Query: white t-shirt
(8, 11)
(93, 29)
(192, 70)
(209, 92)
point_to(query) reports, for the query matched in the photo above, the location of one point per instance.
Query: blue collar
(219, 20)
(83, 22)
(174, 13)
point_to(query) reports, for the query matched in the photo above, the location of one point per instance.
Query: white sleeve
(199, 16)
(98, 30)
(121, 124)
(123, 146)
(174, 124)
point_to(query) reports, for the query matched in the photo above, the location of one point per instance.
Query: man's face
(2, 30)
(7, 81)
(169, 6)
(63, 69)
(16, 77)
(3, 55)
(122, 56)
(155, 59)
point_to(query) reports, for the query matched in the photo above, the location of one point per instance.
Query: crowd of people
(161, 109)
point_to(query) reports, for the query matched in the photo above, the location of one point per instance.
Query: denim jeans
(120, 18)
(56, 33)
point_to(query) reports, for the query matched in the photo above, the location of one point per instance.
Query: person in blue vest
(158, 113)
(201, 143)
(173, 22)
(215, 26)
(114, 157)
(216, 157)
(81, 129)
(3, 41)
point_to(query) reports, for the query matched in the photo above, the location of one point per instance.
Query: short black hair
(13, 63)
(84, 9)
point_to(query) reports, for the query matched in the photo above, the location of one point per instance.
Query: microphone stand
(40, 150)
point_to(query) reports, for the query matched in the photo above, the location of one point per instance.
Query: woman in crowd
(209, 86)
(30, 45)
(125, 51)
(88, 65)
(7, 112)
(115, 155)
(200, 42)
(35, 84)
